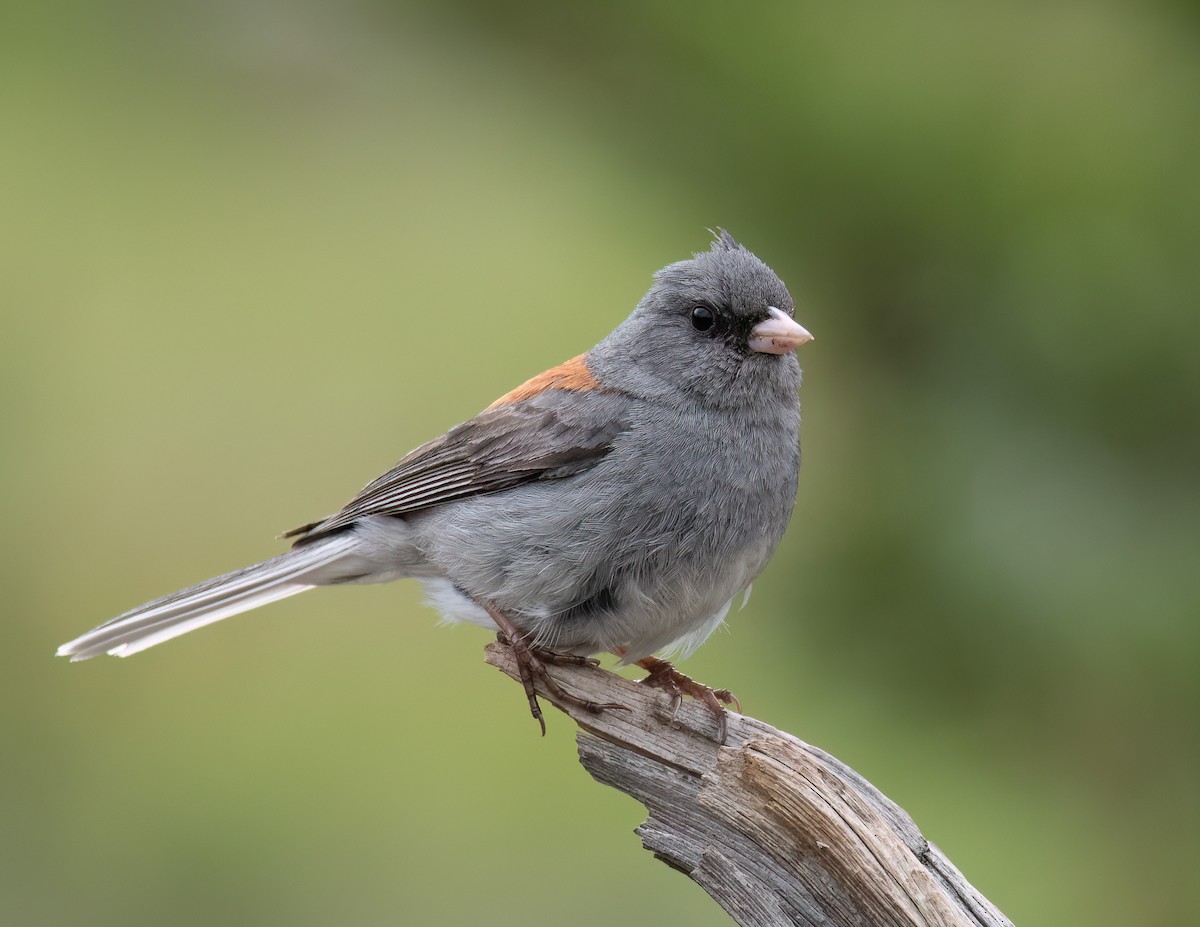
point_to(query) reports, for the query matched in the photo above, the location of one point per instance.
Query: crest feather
(722, 240)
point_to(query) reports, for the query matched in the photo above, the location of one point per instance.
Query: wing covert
(553, 434)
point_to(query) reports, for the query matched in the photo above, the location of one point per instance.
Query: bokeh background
(254, 251)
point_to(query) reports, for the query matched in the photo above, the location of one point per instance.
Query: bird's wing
(549, 434)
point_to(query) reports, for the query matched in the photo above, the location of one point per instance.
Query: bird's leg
(662, 675)
(531, 665)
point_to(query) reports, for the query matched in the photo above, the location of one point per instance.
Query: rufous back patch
(572, 375)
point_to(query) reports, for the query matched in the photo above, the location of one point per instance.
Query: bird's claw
(662, 675)
(531, 666)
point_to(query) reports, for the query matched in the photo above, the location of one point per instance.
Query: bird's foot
(531, 665)
(554, 658)
(662, 675)
(532, 662)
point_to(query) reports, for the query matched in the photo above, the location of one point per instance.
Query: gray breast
(638, 551)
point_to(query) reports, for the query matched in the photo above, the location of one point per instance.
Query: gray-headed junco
(617, 502)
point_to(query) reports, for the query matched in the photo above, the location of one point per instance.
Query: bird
(616, 503)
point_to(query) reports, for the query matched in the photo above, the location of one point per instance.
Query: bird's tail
(296, 571)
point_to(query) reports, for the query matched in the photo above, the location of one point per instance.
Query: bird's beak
(779, 333)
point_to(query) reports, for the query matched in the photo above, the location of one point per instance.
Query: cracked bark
(776, 831)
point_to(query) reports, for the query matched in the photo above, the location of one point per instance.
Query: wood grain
(778, 832)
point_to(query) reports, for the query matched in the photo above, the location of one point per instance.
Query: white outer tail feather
(210, 601)
(177, 627)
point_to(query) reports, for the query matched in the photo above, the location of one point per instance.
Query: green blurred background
(246, 243)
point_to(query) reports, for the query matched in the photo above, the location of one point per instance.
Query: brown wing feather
(570, 375)
(548, 434)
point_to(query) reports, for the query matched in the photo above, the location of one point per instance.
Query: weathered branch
(777, 831)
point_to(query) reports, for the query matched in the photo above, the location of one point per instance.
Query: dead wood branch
(777, 831)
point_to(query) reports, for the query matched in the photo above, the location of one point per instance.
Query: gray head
(718, 326)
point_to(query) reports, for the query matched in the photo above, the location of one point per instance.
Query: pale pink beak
(778, 334)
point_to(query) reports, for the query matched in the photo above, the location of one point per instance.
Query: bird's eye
(703, 318)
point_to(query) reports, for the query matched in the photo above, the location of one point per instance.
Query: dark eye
(703, 318)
